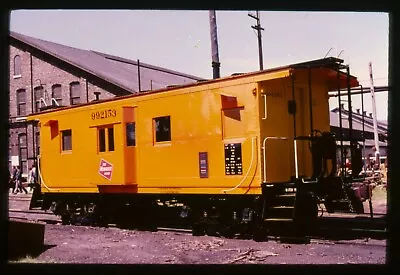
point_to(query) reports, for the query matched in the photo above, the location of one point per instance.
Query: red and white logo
(105, 169)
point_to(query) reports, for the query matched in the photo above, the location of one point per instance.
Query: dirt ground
(95, 245)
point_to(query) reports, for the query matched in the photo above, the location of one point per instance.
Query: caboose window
(66, 140)
(102, 134)
(111, 139)
(130, 134)
(162, 127)
(102, 140)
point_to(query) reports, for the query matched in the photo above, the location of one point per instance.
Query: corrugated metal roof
(356, 121)
(119, 71)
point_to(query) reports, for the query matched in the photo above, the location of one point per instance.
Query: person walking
(32, 178)
(13, 178)
(18, 183)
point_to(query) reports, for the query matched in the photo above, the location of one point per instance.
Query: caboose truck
(251, 152)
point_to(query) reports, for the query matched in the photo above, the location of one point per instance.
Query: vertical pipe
(214, 45)
(294, 130)
(138, 68)
(32, 99)
(340, 124)
(310, 101)
(87, 91)
(294, 115)
(296, 166)
(377, 161)
(349, 110)
(363, 129)
(33, 109)
(260, 54)
(151, 85)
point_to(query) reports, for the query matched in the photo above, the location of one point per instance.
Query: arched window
(23, 153)
(17, 65)
(21, 102)
(75, 92)
(56, 93)
(38, 94)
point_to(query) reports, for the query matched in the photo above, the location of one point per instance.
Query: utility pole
(259, 29)
(377, 160)
(214, 45)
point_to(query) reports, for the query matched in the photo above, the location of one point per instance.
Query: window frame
(166, 139)
(36, 99)
(72, 96)
(21, 103)
(103, 139)
(17, 67)
(59, 97)
(63, 141)
(130, 142)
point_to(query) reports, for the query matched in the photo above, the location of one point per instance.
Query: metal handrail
(265, 106)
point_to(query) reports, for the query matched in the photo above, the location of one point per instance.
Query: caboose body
(227, 139)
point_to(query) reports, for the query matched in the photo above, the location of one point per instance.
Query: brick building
(44, 74)
(363, 128)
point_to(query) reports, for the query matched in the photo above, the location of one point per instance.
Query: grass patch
(30, 260)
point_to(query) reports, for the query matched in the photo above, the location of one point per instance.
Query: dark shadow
(18, 254)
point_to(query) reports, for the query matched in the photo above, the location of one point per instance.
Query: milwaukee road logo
(105, 169)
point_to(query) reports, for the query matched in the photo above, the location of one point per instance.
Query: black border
(393, 257)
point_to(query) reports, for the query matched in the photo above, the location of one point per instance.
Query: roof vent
(365, 113)
(370, 114)
(358, 111)
(342, 106)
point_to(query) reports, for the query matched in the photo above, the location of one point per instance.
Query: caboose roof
(327, 67)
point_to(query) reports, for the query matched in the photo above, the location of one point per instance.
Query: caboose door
(130, 145)
(274, 132)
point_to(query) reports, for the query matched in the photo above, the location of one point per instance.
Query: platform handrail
(265, 106)
(264, 154)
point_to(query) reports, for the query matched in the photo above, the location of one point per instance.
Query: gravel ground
(95, 245)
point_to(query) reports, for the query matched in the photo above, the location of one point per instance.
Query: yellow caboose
(217, 144)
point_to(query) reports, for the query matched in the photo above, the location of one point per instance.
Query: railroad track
(328, 228)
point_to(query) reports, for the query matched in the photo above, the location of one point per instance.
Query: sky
(180, 40)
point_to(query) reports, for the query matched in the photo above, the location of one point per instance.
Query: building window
(56, 93)
(130, 134)
(23, 153)
(17, 65)
(102, 134)
(162, 127)
(75, 93)
(38, 94)
(66, 136)
(21, 102)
